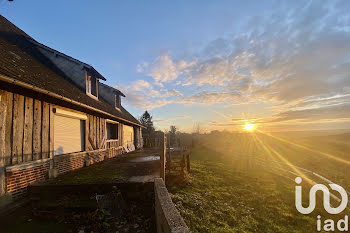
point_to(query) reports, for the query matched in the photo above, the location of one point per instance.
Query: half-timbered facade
(56, 115)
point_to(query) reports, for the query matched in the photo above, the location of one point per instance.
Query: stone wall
(168, 217)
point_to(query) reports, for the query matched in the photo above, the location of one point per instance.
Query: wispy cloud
(297, 58)
(141, 67)
(165, 69)
(171, 119)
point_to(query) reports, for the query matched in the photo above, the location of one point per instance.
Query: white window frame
(117, 104)
(88, 86)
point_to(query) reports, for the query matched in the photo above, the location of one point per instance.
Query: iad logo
(326, 198)
(329, 225)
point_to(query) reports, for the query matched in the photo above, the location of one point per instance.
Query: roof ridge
(41, 45)
(30, 68)
(117, 90)
(7, 26)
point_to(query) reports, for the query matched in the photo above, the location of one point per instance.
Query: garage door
(69, 134)
(128, 135)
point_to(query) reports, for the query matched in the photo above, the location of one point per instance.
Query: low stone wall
(168, 217)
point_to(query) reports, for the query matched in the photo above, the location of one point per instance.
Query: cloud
(209, 98)
(164, 69)
(141, 67)
(175, 118)
(337, 111)
(296, 58)
(141, 85)
(173, 93)
(141, 94)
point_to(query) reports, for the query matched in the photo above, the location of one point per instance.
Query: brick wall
(69, 163)
(18, 180)
(97, 157)
(19, 177)
(113, 152)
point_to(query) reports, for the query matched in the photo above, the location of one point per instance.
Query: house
(56, 115)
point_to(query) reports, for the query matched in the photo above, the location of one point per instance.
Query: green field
(245, 182)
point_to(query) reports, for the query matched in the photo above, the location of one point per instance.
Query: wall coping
(173, 219)
(58, 158)
(26, 165)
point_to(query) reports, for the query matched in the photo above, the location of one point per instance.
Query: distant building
(55, 114)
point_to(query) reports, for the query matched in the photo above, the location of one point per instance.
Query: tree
(148, 132)
(172, 135)
(197, 129)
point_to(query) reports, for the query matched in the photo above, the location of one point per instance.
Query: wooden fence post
(168, 153)
(163, 158)
(188, 161)
(183, 162)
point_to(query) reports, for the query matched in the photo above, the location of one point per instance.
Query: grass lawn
(112, 170)
(238, 194)
(103, 172)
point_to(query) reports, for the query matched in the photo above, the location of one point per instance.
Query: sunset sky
(283, 65)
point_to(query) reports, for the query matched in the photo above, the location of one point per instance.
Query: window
(112, 131)
(69, 135)
(91, 85)
(117, 101)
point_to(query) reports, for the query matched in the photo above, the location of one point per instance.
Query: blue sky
(220, 64)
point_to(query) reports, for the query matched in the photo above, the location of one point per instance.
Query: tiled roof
(22, 61)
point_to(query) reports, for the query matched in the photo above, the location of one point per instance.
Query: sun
(249, 127)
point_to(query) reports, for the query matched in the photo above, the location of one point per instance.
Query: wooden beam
(51, 130)
(90, 130)
(188, 161)
(91, 133)
(121, 140)
(45, 128)
(8, 127)
(97, 136)
(28, 130)
(103, 133)
(87, 133)
(3, 113)
(18, 123)
(93, 136)
(37, 130)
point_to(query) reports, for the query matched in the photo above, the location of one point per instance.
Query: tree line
(175, 138)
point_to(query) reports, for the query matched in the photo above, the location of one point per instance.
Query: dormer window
(91, 85)
(118, 102)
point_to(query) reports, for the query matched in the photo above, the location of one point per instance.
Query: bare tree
(197, 128)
